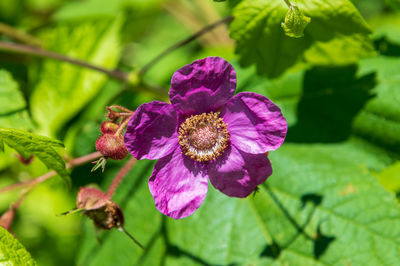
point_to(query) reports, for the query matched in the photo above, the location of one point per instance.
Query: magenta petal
(178, 185)
(152, 131)
(237, 173)
(255, 123)
(202, 86)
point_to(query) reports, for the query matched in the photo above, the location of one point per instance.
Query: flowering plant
(205, 133)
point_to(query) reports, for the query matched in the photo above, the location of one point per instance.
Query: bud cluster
(111, 142)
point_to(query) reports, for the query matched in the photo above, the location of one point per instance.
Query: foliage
(28, 144)
(295, 22)
(12, 251)
(333, 196)
(335, 36)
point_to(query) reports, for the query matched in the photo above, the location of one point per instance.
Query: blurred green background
(332, 197)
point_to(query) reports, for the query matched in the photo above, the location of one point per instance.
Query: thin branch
(184, 42)
(121, 228)
(34, 51)
(288, 3)
(18, 35)
(30, 50)
(73, 163)
(120, 175)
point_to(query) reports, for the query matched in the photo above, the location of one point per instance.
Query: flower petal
(178, 185)
(202, 86)
(237, 173)
(255, 123)
(152, 131)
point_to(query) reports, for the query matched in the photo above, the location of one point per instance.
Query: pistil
(203, 137)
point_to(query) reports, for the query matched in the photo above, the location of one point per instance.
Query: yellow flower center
(203, 137)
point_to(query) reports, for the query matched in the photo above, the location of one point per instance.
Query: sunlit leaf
(27, 144)
(64, 89)
(336, 35)
(12, 104)
(310, 212)
(295, 22)
(12, 252)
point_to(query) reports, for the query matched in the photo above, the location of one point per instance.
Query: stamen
(203, 137)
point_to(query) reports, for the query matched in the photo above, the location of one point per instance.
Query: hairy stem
(121, 108)
(34, 51)
(120, 175)
(30, 50)
(123, 126)
(183, 42)
(73, 163)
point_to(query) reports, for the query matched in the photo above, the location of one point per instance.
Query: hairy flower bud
(90, 198)
(105, 213)
(108, 127)
(112, 146)
(107, 217)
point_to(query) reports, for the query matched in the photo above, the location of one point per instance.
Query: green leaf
(12, 252)
(295, 22)
(394, 4)
(12, 104)
(63, 89)
(26, 143)
(336, 35)
(333, 104)
(317, 209)
(379, 121)
(390, 178)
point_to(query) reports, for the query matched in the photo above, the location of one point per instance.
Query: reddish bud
(25, 161)
(112, 146)
(112, 115)
(90, 198)
(108, 127)
(105, 213)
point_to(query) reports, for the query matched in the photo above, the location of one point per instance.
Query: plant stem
(34, 51)
(120, 175)
(123, 125)
(183, 42)
(73, 163)
(18, 35)
(121, 228)
(288, 3)
(121, 108)
(30, 50)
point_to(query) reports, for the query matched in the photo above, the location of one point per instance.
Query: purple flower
(205, 133)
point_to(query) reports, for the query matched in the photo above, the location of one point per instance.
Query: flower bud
(112, 146)
(105, 213)
(108, 127)
(89, 198)
(295, 22)
(107, 217)
(24, 160)
(112, 115)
